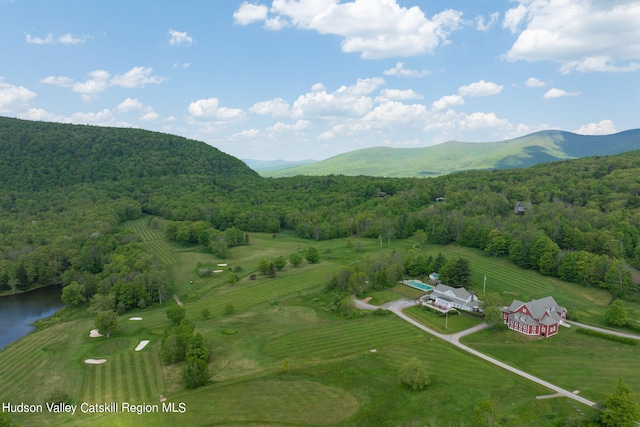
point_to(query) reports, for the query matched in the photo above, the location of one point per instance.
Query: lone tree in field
(176, 314)
(616, 314)
(414, 374)
(107, 322)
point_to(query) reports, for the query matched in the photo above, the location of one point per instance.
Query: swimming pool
(418, 285)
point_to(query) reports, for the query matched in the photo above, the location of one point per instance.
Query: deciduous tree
(176, 314)
(616, 314)
(621, 408)
(107, 322)
(414, 374)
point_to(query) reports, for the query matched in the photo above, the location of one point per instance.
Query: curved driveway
(399, 305)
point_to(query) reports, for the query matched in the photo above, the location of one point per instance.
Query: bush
(598, 334)
(229, 309)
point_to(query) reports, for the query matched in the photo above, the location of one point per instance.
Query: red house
(538, 317)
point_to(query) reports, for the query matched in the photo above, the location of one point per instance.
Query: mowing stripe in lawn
(339, 340)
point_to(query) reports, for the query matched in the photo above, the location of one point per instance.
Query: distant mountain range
(275, 165)
(454, 156)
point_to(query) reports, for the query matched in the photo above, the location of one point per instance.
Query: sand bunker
(135, 318)
(217, 271)
(142, 345)
(94, 333)
(95, 361)
(222, 265)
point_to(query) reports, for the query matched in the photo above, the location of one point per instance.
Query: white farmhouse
(445, 297)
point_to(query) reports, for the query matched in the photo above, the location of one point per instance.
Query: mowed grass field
(334, 377)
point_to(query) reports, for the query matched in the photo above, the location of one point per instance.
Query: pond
(18, 312)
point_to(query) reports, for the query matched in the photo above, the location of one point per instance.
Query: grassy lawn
(394, 293)
(333, 378)
(570, 360)
(442, 324)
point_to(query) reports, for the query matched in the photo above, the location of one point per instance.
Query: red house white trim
(538, 317)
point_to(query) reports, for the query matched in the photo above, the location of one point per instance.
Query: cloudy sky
(309, 79)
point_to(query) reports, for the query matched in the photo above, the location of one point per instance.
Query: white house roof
(458, 293)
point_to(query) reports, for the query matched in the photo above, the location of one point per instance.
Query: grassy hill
(454, 156)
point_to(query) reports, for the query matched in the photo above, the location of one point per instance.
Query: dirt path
(399, 305)
(175, 297)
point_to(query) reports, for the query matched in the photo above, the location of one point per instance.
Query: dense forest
(65, 190)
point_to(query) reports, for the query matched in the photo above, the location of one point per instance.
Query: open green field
(440, 323)
(334, 377)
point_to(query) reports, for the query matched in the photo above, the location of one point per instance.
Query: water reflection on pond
(18, 312)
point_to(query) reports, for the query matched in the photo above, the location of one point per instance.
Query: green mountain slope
(454, 156)
(38, 156)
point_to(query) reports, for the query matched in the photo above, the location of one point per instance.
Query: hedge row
(597, 334)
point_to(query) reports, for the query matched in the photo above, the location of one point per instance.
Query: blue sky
(309, 79)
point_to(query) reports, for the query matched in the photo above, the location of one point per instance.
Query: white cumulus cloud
(480, 88)
(533, 82)
(558, 93)
(447, 102)
(179, 38)
(397, 94)
(481, 25)
(603, 127)
(400, 71)
(373, 28)
(13, 97)
(353, 100)
(249, 13)
(210, 110)
(50, 39)
(136, 77)
(129, 104)
(581, 35)
(149, 116)
(275, 107)
(100, 80)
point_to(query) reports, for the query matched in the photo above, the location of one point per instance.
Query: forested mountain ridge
(455, 156)
(581, 223)
(41, 155)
